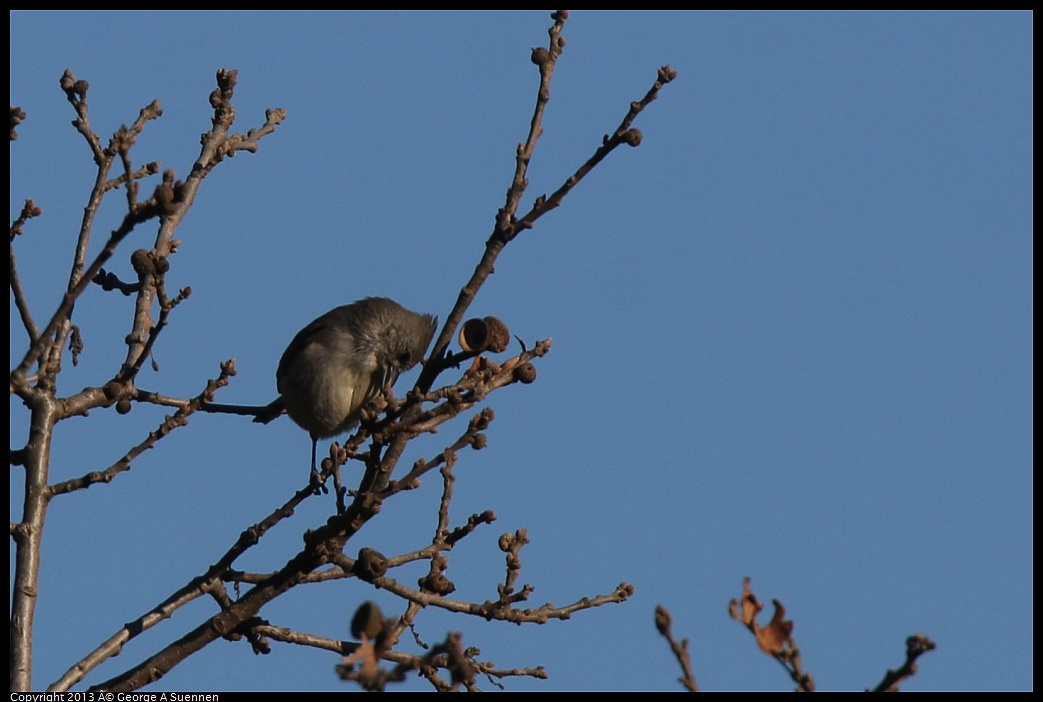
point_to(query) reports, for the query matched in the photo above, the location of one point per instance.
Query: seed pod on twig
(486, 334)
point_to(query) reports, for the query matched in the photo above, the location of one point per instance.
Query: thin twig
(29, 210)
(915, 646)
(663, 622)
(168, 425)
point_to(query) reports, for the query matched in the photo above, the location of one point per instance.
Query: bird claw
(318, 483)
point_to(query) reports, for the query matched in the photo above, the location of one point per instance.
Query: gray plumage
(342, 360)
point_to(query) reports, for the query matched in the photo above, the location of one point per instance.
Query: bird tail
(270, 411)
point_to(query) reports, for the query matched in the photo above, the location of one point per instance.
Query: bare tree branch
(29, 210)
(915, 646)
(168, 425)
(387, 426)
(168, 203)
(663, 623)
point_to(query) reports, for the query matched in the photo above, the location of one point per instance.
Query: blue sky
(792, 331)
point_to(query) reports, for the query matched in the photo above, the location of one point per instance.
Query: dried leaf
(772, 638)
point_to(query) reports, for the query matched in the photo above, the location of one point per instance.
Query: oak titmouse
(342, 360)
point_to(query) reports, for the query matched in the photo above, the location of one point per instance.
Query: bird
(341, 361)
